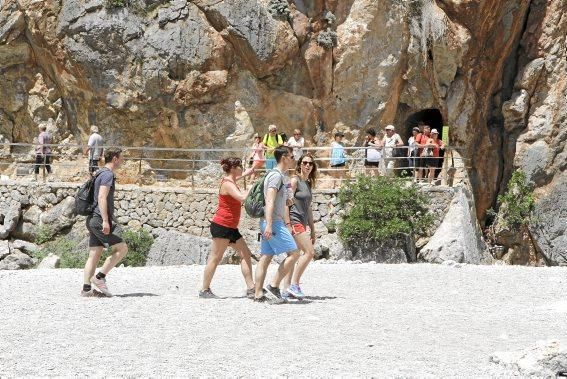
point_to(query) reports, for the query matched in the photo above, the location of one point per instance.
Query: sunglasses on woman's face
(307, 163)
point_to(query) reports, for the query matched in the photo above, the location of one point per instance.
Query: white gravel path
(366, 320)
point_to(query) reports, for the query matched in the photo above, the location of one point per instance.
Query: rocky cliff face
(170, 73)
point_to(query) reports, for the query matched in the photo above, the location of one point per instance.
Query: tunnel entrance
(431, 117)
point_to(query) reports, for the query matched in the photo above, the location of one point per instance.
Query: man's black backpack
(84, 199)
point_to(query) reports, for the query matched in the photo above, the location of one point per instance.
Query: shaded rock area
(546, 359)
(174, 248)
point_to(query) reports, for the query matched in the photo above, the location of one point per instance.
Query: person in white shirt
(94, 149)
(391, 141)
(373, 151)
(412, 151)
(297, 142)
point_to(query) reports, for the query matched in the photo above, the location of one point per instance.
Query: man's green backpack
(255, 201)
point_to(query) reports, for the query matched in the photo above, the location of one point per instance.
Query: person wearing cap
(434, 144)
(421, 142)
(391, 141)
(272, 140)
(257, 158)
(412, 151)
(94, 149)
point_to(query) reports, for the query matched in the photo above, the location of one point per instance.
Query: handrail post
(140, 168)
(193, 171)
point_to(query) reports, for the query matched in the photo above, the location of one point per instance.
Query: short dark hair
(371, 131)
(426, 126)
(111, 153)
(228, 163)
(281, 151)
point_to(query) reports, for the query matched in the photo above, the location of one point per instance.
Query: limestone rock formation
(167, 73)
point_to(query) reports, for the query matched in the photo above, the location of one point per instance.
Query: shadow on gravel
(320, 298)
(138, 294)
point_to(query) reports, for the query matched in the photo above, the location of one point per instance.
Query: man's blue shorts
(281, 242)
(271, 163)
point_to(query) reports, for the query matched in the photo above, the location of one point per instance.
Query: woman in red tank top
(224, 227)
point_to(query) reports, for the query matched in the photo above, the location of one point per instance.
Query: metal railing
(199, 167)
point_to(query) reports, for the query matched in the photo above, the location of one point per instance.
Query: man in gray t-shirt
(94, 149)
(275, 228)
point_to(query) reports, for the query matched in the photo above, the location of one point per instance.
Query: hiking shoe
(265, 299)
(250, 293)
(295, 291)
(99, 285)
(286, 295)
(274, 291)
(207, 294)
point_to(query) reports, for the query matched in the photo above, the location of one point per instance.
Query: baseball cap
(390, 127)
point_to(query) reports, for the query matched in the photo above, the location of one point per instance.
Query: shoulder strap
(265, 140)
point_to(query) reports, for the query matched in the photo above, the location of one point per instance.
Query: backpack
(255, 201)
(279, 139)
(84, 198)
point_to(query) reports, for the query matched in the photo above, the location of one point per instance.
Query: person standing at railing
(257, 155)
(338, 156)
(373, 151)
(391, 142)
(421, 142)
(297, 142)
(412, 151)
(224, 228)
(43, 152)
(272, 140)
(434, 144)
(94, 149)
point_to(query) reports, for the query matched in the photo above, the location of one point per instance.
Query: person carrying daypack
(272, 140)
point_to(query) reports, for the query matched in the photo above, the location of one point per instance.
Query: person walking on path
(224, 228)
(391, 141)
(301, 217)
(43, 152)
(272, 140)
(257, 155)
(297, 142)
(103, 231)
(275, 229)
(94, 149)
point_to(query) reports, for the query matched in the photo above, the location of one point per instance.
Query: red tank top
(228, 211)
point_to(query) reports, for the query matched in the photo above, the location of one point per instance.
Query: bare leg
(246, 262)
(219, 245)
(261, 270)
(285, 267)
(303, 241)
(431, 174)
(92, 262)
(119, 251)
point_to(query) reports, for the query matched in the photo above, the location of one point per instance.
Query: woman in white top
(373, 151)
(257, 155)
(297, 142)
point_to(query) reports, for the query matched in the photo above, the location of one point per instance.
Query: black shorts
(219, 231)
(431, 161)
(371, 164)
(339, 165)
(97, 238)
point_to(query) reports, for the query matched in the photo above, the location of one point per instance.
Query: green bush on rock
(379, 208)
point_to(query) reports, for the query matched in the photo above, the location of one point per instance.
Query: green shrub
(327, 38)
(139, 244)
(378, 208)
(279, 9)
(43, 234)
(516, 205)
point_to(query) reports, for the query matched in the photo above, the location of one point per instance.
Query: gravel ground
(362, 320)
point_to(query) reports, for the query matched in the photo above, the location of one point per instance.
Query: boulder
(61, 216)
(546, 359)
(175, 248)
(458, 238)
(394, 250)
(49, 262)
(329, 247)
(4, 249)
(10, 214)
(24, 246)
(17, 260)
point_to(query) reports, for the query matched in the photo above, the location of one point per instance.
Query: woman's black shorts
(219, 231)
(371, 164)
